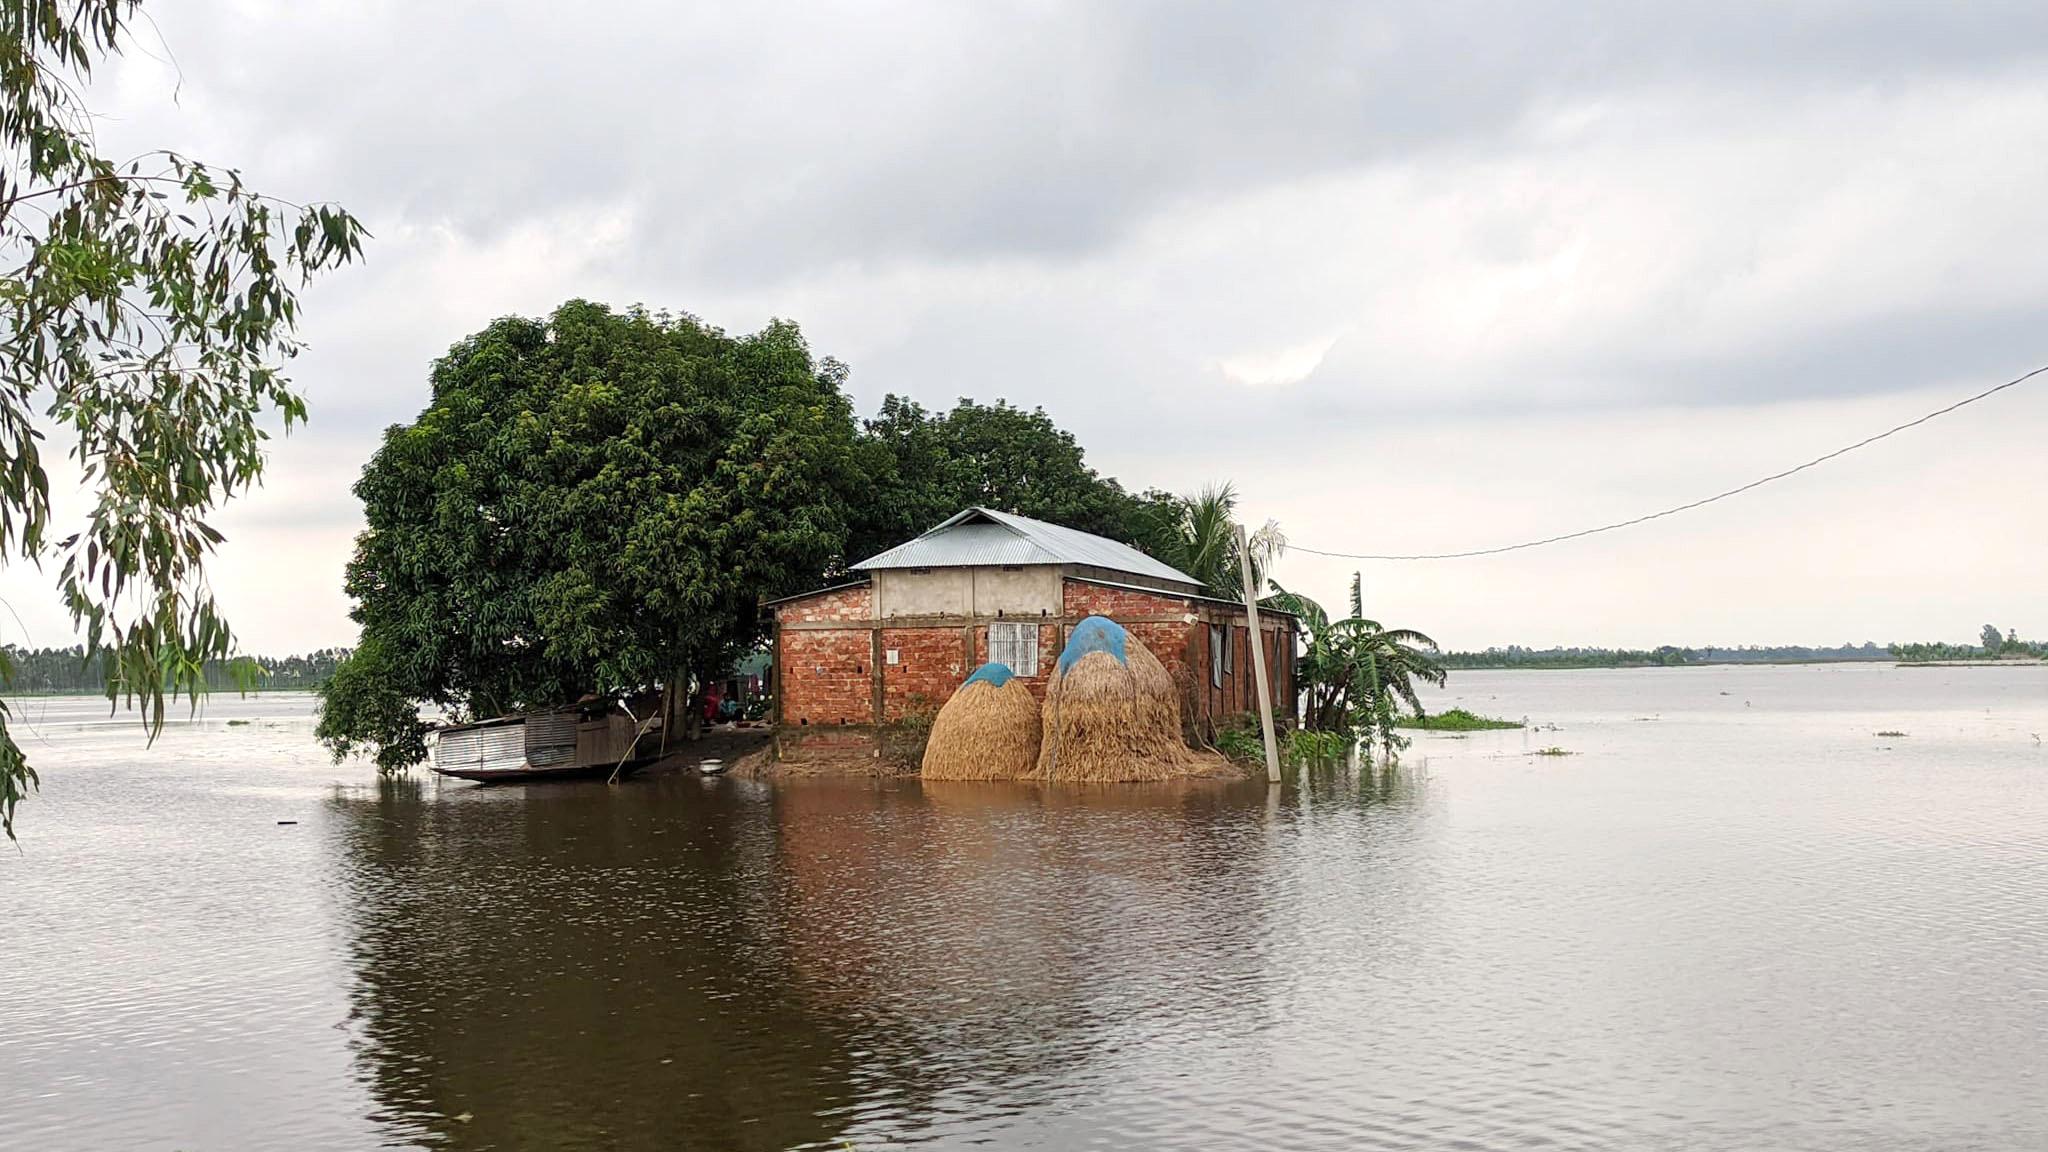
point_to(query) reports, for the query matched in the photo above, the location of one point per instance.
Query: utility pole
(1258, 647)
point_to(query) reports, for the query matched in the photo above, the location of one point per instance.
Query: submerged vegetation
(1456, 720)
(1298, 746)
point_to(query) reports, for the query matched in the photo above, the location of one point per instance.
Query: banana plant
(1359, 676)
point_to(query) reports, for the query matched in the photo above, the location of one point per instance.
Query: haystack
(1112, 711)
(987, 731)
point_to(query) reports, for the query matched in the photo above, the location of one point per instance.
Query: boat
(593, 738)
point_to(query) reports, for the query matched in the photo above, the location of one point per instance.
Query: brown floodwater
(1736, 918)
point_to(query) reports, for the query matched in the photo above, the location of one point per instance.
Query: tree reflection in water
(574, 966)
(688, 963)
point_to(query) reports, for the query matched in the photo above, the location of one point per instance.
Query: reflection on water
(564, 967)
(1736, 918)
(730, 964)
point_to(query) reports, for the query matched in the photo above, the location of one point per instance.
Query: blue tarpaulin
(991, 673)
(1095, 634)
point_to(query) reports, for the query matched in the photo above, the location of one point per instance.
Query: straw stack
(987, 731)
(1112, 711)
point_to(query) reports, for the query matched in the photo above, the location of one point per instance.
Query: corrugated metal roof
(980, 536)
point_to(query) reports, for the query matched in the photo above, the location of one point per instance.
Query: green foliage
(1455, 720)
(1515, 656)
(71, 671)
(1669, 656)
(923, 467)
(1307, 746)
(149, 306)
(364, 708)
(1241, 744)
(1553, 750)
(595, 502)
(1198, 535)
(2007, 645)
(1358, 676)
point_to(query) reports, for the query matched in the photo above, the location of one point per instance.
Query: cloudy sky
(1415, 277)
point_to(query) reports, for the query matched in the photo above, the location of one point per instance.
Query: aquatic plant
(1456, 720)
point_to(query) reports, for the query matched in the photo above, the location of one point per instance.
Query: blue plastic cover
(1095, 634)
(991, 673)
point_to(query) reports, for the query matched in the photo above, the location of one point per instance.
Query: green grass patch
(1456, 720)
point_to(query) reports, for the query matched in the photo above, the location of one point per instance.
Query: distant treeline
(1995, 646)
(1992, 645)
(1516, 656)
(66, 671)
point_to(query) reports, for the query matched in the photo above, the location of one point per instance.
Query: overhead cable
(1700, 503)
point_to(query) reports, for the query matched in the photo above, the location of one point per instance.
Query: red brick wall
(823, 676)
(855, 603)
(1084, 599)
(930, 663)
(826, 675)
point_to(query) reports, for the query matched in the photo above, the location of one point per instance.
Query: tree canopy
(925, 466)
(594, 502)
(148, 307)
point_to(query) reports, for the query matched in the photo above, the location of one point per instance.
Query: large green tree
(925, 466)
(148, 306)
(593, 502)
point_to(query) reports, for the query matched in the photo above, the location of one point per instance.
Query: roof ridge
(1041, 542)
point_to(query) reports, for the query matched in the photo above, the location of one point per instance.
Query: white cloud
(1402, 276)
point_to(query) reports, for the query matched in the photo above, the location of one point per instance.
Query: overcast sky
(1415, 277)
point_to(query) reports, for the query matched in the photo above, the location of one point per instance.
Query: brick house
(988, 585)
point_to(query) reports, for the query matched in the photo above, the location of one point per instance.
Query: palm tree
(1198, 535)
(1358, 674)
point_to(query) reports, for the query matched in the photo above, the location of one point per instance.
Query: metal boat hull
(530, 774)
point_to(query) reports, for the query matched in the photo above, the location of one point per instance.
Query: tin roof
(983, 536)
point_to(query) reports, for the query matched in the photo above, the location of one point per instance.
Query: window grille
(1015, 645)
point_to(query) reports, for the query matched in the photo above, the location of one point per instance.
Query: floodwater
(1735, 918)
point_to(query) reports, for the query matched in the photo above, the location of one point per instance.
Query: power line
(1818, 460)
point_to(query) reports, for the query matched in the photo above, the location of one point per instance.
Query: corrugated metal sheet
(550, 738)
(982, 536)
(501, 746)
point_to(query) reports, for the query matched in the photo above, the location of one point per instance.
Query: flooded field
(1734, 918)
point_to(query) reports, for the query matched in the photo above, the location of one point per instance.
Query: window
(1015, 645)
(1217, 656)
